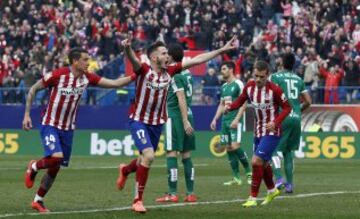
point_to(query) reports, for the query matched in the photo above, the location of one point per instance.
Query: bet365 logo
(9, 143)
(312, 146)
(115, 146)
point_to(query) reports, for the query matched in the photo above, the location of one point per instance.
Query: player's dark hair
(261, 65)
(288, 61)
(154, 47)
(75, 54)
(176, 51)
(228, 64)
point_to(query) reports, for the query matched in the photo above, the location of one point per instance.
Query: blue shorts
(55, 140)
(265, 146)
(144, 135)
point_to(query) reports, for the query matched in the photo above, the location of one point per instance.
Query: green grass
(81, 187)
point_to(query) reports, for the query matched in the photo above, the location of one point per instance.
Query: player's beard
(161, 65)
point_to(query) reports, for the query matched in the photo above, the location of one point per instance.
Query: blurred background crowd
(324, 35)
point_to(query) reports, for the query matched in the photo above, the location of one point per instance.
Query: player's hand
(213, 125)
(270, 126)
(27, 123)
(234, 124)
(126, 43)
(230, 45)
(188, 128)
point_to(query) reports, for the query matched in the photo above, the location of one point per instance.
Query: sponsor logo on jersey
(72, 91)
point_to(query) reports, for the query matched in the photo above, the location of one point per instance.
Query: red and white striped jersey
(65, 94)
(151, 92)
(266, 102)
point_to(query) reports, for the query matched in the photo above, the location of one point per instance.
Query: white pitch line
(175, 205)
(96, 167)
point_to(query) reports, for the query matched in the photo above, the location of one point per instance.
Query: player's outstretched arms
(27, 123)
(129, 52)
(117, 83)
(209, 55)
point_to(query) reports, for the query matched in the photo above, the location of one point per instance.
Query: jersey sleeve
(175, 69)
(177, 83)
(93, 78)
(143, 69)
(240, 100)
(51, 79)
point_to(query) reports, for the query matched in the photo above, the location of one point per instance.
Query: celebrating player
(66, 86)
(148, 112)
(230, 125)
(266, 98)
(294, 89)
(179, 130)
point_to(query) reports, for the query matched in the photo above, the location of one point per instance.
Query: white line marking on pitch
(94, 167)
(175, 205)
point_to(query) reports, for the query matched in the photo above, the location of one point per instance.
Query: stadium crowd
(324, 35)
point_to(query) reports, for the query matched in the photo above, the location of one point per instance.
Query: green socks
(172, 169)
(242, 156)
(234, 164)
(289, 166)
(189, 175)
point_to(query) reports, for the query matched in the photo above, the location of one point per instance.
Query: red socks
(257, 175)
(268, 177)
(48, 162)
(141, 178)
(47, 181)
(131, 167)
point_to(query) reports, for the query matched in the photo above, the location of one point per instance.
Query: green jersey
(292, 86)
(182, 81)
(230, 92)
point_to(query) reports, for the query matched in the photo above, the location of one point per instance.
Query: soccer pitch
(324, 189)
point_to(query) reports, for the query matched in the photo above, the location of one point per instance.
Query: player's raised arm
(209, 55)
(27, 123)
(129, 52)
(120, 82)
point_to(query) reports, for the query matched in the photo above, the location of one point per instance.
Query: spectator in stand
(352, 79)
(211, 84)
(333, 78)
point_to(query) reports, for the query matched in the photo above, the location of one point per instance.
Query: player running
(66, 86)
(231, 128)
(179, 131)
(294, 90)
(266, 98)
(148, 113)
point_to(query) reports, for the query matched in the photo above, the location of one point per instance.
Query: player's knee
(185, 155)
(171, 154)
(257, 161)
(58, 155)
(148, 157)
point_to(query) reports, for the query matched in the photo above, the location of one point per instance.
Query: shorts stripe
(239, 133)
(168, 135)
